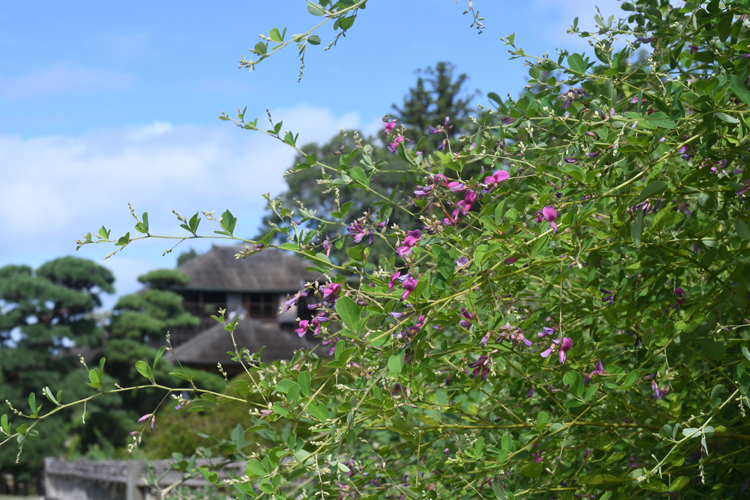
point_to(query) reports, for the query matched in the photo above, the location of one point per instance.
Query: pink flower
(390, 125)
(302, 328)
(567, 343)
(497, 177)
(392, 147)
(465, 204)
(550, 214)
(409, 286)
(455, 186)
(392, 280)
(411, 240)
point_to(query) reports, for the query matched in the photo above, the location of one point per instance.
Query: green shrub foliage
(567, 321)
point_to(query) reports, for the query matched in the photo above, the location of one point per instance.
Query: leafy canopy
(569, 319)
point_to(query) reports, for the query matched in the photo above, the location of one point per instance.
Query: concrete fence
(116, 479)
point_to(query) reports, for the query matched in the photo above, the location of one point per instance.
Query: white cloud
(63, 79)
(56, 189)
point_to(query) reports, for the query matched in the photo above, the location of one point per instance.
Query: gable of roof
(212, 346)
(270, 270)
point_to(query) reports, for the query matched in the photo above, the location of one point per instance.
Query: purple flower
(594, 154)
(659, 392)
(510, 260)
(567, 343)
(432, 130)
(598, 370)
(302, 328)
(609, 296)
(547, 331)
(530, 394)
(680, 295)
(153, 422)
(439, 180)
(392, 280)
(332, 290)
(422, 191)
(411, 239)
(392, 147)
(465, 204)
(357, 231)
(462, 262)
(409, 286)
(586, 453)
(294, 300)
(481, 366)
(550, 215)
(145, 417)
(564, 345)
(497, 177)
(455, 186)
(468, 316)
(327, 247)
(390, 125)
(646, 39)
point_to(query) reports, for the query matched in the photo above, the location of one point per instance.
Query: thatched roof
(270, 270)
(211, 346)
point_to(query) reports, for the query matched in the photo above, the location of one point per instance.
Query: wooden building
(255, 289)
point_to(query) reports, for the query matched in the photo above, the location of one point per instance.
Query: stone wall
(116, 479)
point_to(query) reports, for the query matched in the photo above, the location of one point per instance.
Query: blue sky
(105, 103)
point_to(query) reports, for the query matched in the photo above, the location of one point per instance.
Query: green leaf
(142, 227)
(319, 411)
(636, 229)
(498, 491)
(144, 369)
(315, 9)
(542, 418)
(631, 378)
(275, 35)
(395, 362)
(739, 89)
(4, 424)
(349, 312)
(506, 442)
(254, 468)
(574, 380)
(124, 240)
(228, 222)
(532, 470)
(653, 189)
(691, 432)
(359, 175)
(726, 118)
(742, 230)
(576, 63)
(679, 483)
(211, 476)
(32, 402)
(304, 381)
(746, 353)
(158, 355)
(659, 120)
(51, 398)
